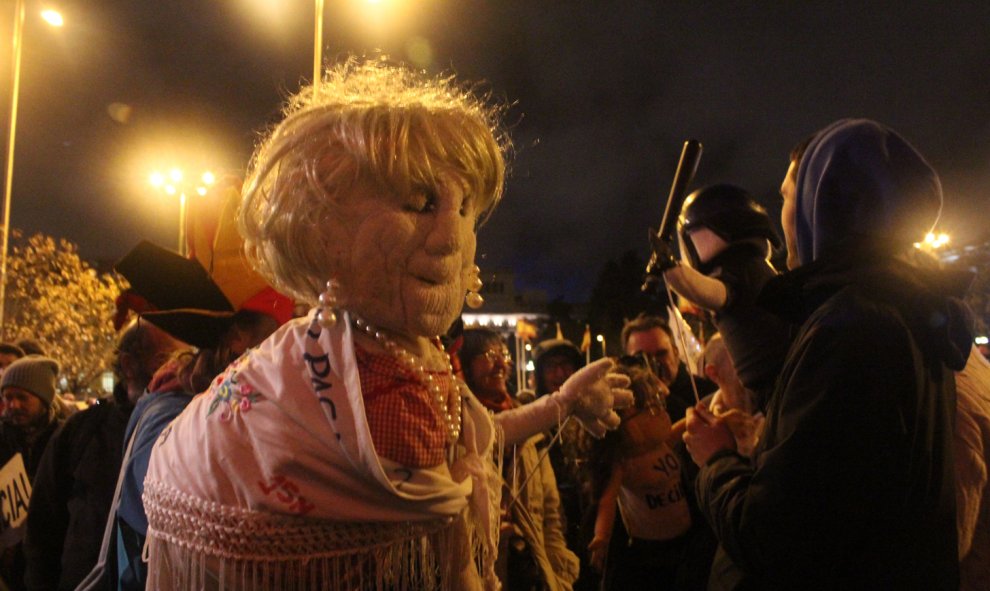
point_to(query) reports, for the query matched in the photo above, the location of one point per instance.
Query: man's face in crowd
(489, 372)
(788, 214)
(656, 345)
(21, 407)
(556, 369)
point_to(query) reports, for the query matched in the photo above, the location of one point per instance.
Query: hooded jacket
(851, 486)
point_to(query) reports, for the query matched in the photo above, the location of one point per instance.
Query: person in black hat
(213, 302)
(9, 353)
(555, 360)
(73, 489)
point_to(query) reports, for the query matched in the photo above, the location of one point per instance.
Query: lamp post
(318, 49)
(173, 183)
(55, 19)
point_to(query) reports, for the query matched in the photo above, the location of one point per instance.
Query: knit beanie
(33, 373)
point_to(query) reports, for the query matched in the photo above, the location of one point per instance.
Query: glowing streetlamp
(172, 183)
(933, 241)
(54, 18)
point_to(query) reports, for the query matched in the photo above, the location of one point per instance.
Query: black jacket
(73, 490)
(14, 440)
(852, 484)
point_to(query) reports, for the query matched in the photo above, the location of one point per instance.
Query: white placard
(15, 495)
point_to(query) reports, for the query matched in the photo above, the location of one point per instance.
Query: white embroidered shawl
(270, 480)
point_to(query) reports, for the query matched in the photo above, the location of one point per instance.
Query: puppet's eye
(424, 201)
(467, 206)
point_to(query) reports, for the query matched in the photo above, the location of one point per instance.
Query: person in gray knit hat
(32, 412)
(28, 388)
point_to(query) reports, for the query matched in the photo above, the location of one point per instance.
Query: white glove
(590, 394)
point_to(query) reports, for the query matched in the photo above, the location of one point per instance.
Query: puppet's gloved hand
(592, 393)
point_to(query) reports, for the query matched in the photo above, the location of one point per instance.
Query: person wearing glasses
(534, 553)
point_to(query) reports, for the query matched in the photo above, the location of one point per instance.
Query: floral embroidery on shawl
(230, 396)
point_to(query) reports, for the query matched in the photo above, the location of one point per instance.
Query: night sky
(602, 95)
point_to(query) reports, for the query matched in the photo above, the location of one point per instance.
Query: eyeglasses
(496, 355)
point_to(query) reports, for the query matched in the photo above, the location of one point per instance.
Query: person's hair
(372, 126)
(201, 367)
(135, 340)
(646, 387)
(476, 342)
(642, 323)
(11, 349)
(797, 152)
(602, 454)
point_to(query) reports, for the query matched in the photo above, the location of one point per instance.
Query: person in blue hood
(851, 485)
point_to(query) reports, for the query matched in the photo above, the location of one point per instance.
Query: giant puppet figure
(343, 453)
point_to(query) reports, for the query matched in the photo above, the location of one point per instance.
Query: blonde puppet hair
(372, 125)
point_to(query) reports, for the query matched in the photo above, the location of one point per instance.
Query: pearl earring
(328, 305)
(473, 298)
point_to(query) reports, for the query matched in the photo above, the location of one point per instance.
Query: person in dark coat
(32, 411)
(851, 485)
(77, 475)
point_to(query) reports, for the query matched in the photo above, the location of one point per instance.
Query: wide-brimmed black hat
(195, 299)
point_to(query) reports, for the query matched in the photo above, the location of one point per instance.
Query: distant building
(504, 307)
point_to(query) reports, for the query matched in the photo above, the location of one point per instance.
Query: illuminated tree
(57, 299)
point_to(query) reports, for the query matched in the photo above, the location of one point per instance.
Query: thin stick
(543, 456)
(683, 341)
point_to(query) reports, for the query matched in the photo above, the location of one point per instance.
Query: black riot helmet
(729, 212)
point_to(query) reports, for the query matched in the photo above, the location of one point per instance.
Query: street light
(54, 18)
(933, 241)
(175, 182)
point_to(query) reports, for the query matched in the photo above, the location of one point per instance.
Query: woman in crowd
(637, 472)
(535, 553)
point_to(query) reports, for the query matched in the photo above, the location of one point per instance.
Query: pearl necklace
(450, 420)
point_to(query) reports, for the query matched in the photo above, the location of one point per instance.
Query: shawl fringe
(196, 544)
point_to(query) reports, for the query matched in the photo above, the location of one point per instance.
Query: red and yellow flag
(586, 340)
(524, 330)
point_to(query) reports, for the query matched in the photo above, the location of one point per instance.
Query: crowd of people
(298, 407)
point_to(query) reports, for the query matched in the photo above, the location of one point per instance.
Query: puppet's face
(707, 244)
(403, 261)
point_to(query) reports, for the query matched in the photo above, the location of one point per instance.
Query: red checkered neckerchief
(404, 423)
